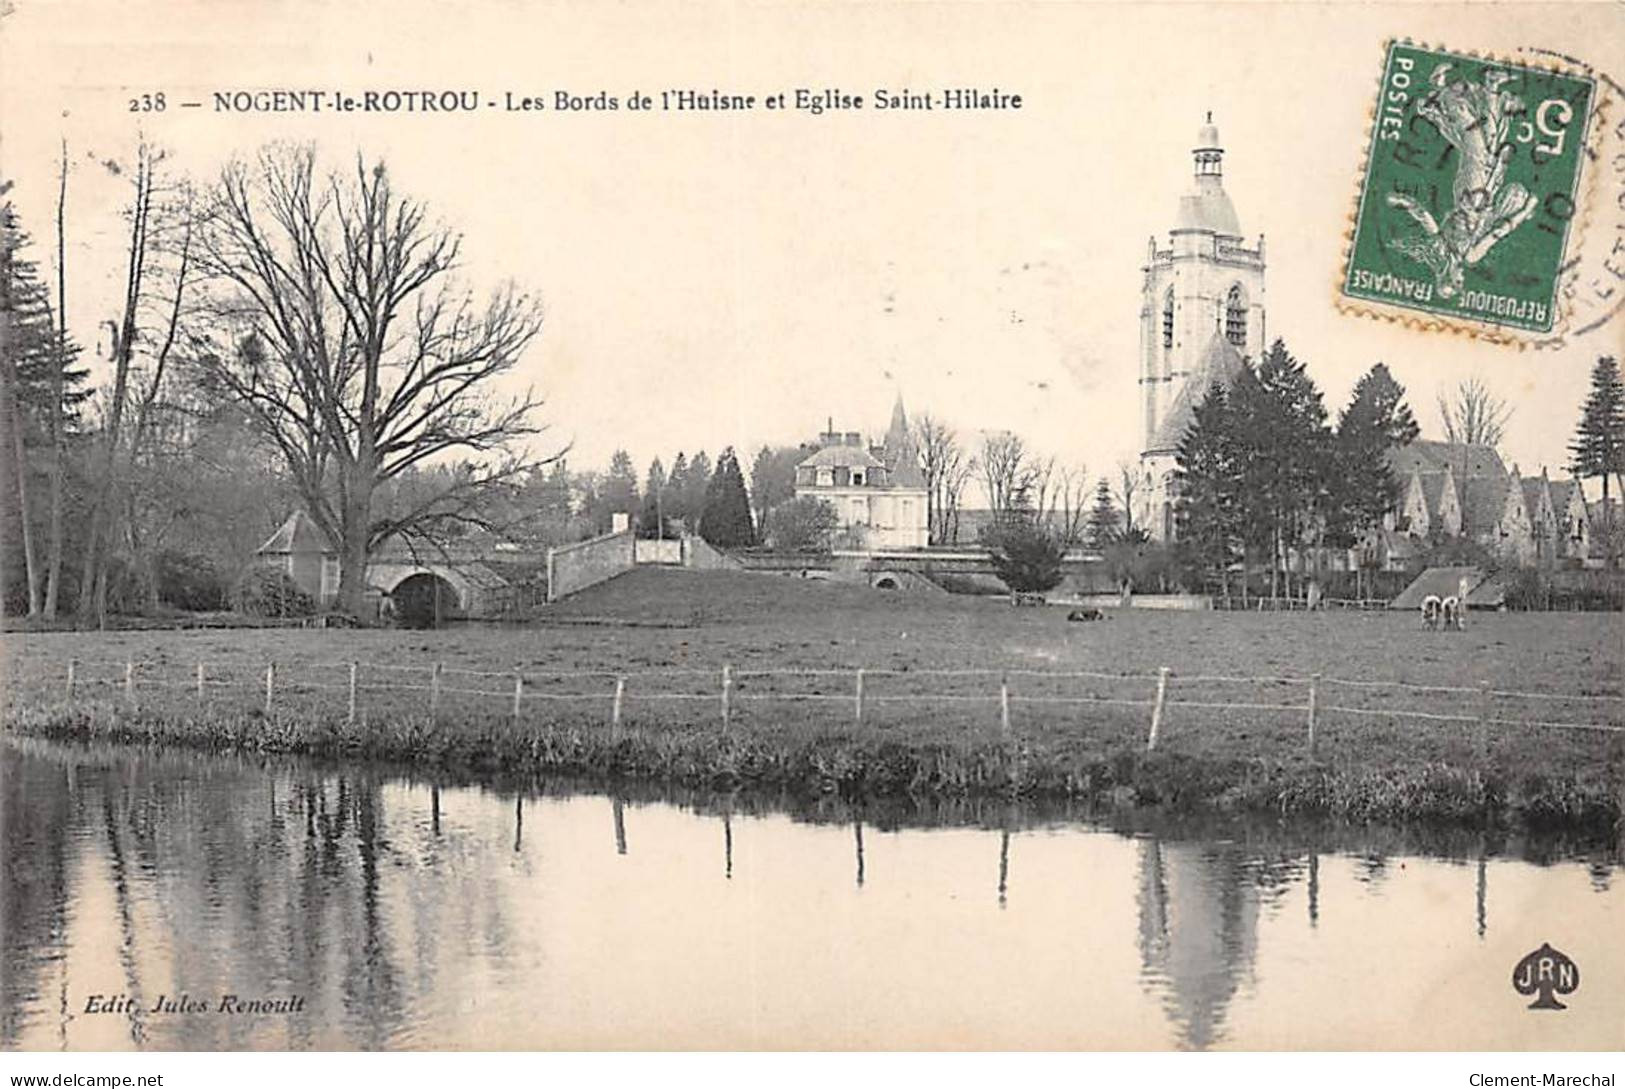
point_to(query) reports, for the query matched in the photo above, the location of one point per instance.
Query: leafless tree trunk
(1008, 476)
(369, 361)
(93, 583)
(1128, 485)
(59, 426)
(143, 545)
(1472, 414)
(942, 461)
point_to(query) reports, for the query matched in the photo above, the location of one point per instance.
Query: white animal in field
(1451, 612)
(1430, 612)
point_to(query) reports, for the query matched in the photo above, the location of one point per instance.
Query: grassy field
(801, 730)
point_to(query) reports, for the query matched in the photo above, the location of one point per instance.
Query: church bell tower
(1201, 315)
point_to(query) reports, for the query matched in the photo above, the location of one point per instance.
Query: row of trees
(286, 336)
(1262, 474)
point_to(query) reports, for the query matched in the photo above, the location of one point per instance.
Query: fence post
(434, 692)
(620, 699)
(1314, 706)
(727, 687)
(1482, 742)
(73, 667)
(129, 681)
(518, 693)
(1004, 702)
(200, 680)
(355, 670)
(1156, 708)
(857, 699)
(270, 686)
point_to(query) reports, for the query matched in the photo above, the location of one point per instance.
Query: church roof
(1220, 363)
(296, 535)
(1208, 209)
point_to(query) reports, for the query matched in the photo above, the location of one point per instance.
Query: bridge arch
(422, 595)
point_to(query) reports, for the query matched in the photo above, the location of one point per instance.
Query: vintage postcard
(802, 526)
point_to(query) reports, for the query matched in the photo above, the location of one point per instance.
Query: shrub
(803, 524)
(1026, 557)
(189, 581)
(267, 591)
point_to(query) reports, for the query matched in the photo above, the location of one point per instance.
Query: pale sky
(715, 279)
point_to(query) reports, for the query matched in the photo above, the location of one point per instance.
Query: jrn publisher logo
(1546, 973)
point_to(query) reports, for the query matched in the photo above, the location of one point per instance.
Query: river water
(365, 909)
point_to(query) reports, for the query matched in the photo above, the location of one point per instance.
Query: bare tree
(1128, 485)
(947, 469)
(1069, 503)
(356, 353)
(1008, 472)
(124, 328)
(1472, 414)
(58, 421)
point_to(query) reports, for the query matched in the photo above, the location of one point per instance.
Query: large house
(878, 492)
(1464, 491)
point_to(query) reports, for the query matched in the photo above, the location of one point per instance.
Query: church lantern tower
(1201, 316)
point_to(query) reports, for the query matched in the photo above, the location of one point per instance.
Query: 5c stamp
(1471, 191)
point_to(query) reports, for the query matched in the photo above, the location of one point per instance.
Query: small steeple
(1208, 152)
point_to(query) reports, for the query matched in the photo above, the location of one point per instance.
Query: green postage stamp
(1470, 193)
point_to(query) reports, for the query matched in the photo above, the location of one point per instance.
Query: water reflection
(407, 914)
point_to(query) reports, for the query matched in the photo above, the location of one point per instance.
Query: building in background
(1201, 318)
(877, 491)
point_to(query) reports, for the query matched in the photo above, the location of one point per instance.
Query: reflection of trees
(1198, 933)
(226, 877)
(35, 797)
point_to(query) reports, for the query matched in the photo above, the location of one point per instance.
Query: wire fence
(1303, 705)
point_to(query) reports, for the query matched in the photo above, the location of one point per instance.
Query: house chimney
(853, 438)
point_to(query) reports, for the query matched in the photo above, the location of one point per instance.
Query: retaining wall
(575, 567)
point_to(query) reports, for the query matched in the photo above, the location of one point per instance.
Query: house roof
(1441, 582)
(1563, 493)
(1220, 363)
(1433, 490)
(1475, 459)
(1483, 501)
(850, 457)
(296, 535)
(1533, 487)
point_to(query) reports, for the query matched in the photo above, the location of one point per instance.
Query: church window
(1168, 319)
(1235, 318)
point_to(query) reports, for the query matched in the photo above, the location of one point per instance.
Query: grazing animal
(1087, 614)
(1431, 606)
(1451, 611)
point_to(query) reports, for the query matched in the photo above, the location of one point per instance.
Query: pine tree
(1598, 448)
(1103, 518)
(619, 492)
(38, 386)
(652, 519)
(1285, 456)
(726, 521)
(1363, 485)
(677, 492)
(696, 482)
(1211, 480)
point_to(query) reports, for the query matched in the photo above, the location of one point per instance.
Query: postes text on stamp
(1470, 189)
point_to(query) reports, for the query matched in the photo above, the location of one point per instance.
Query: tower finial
(1210, 117)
